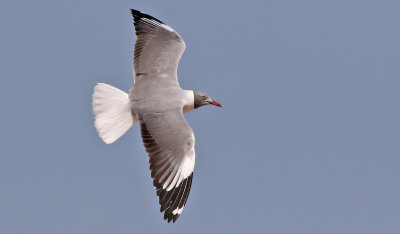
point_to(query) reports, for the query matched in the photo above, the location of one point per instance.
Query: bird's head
(202, 99)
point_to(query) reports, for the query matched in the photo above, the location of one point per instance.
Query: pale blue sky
(307, 141)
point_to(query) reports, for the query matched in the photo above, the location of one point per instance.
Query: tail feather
(111, 108)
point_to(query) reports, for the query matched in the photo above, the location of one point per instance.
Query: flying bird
(158, 103)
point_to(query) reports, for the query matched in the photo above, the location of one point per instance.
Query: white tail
(112, 112)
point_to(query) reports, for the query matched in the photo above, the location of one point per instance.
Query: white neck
(188, 100)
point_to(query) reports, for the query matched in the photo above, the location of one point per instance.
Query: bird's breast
(188, 100)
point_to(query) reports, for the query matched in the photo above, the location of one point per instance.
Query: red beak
(215, 103)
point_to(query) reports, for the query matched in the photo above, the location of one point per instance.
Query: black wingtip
(137, 15)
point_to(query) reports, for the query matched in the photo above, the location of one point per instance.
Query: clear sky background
(307, 141)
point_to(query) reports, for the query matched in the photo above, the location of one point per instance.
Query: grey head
(202, 99)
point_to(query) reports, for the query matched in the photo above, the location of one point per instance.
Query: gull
(157, 103)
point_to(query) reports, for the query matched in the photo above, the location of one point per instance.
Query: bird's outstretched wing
(169, 141)
(158, 48)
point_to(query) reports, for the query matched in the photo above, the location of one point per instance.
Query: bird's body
(177, 98)
(158, 103)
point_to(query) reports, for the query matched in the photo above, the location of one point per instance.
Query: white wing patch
(151, 21)
(167, 27)
(177, 210)
(185, 169)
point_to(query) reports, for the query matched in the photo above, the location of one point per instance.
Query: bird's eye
(203, 97)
